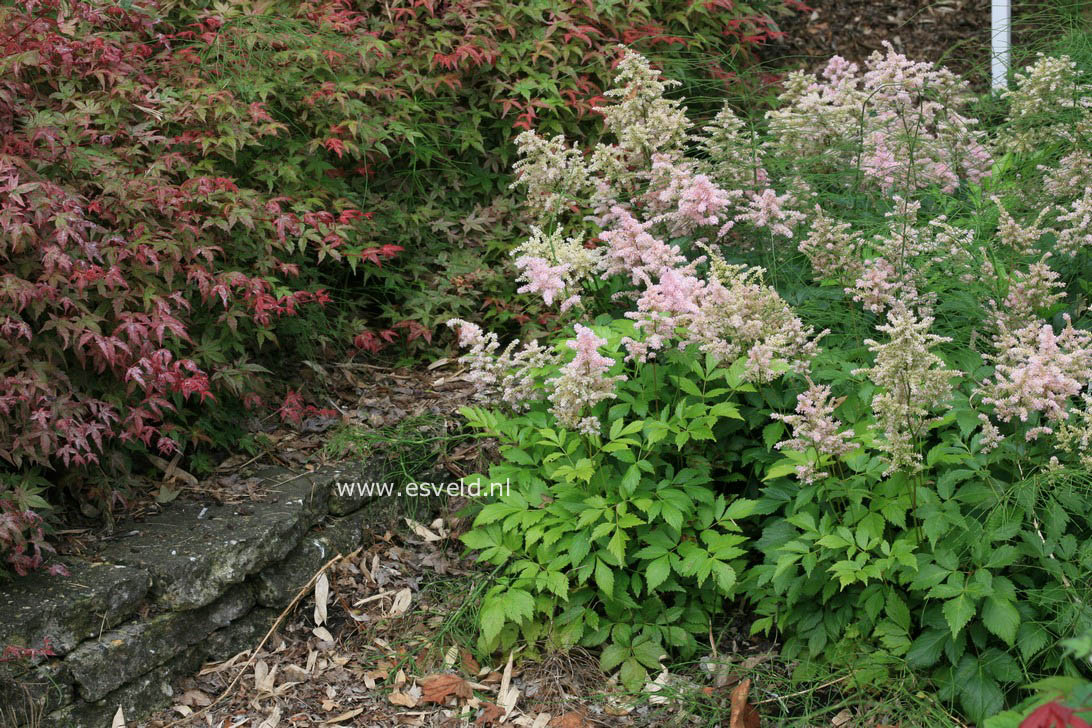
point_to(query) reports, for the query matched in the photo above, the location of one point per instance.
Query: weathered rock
(276, 584)
(195, 553)
(201, 570)
(68, 609)
(242, 634)
(134, 649)
(141, 696)
(34, 692)
(345, 500)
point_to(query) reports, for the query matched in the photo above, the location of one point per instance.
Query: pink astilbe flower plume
(1038, 371)
(634, 251)
(508, 376)
(914, 384)
(814, 427)
(583, 382)
(541, 277)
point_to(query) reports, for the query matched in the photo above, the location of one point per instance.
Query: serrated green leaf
(1001, 617)
(1030, 639)
(604, 578)
(657, 573)
(897, 610)
(631, 479)
(633, 675)
(957, 612)
(648, 653)
(927, 648)
(979, 693)
(612, 656)
(518, 605)
(771, 433)
(492, 619)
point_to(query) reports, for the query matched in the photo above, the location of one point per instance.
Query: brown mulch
(955, 33)
(952, 33)
(387, 640)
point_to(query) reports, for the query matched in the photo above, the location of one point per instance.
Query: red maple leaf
(335, 145)
(1054, 715)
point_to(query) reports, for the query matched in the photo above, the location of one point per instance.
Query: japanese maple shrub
(135, 286)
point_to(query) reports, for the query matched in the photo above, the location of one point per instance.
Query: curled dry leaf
(273, 720)
(322, 595)
(492, 714)
(195, 698)
(343, 717)
(401, 602)
(755, 660)
(265, 680)
(569, 720)
(400, 698)
(653, 687)
(261, 670)
(440, 688)
(744, 714)
(423, 531)
(470, 665)
(439, 528)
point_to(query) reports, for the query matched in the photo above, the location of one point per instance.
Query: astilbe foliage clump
(831, 363)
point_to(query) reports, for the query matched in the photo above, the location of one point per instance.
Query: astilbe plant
(916, 489)
(615, 522)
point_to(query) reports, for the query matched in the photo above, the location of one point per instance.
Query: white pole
(1001, 28)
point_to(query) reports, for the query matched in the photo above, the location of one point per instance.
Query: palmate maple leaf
(336, 146)
(1054, 715)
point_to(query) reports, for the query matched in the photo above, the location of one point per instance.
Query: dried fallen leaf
(266, 679)
(399, 698)
(119, 719)
(439, 688)
(744, 714)
(617, 709)
(439, 528)
(343, 717)
(752, 662)
(323, 634)
(273, 720)
(655, 686)
(541, 720)
(195, 698)
(492, 714)
(322, 595)
(401, 603)
(470, 665)
(506, 678)
(842, 718)
(261, 670)
(171, 470)
(423, 531)
(569, 720)
(451, 656)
